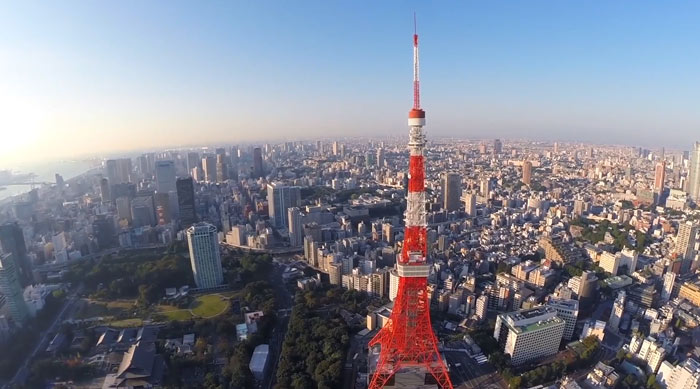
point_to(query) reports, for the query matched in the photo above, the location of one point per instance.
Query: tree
(515, 382)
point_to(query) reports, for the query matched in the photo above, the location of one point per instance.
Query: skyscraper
(185, 198)
(380, 157)
(209, 167)
(205, 257)
(279, 199)
(11, 289)
(296, 233)
(451, 188)
(105, 190)
(165, 176)
(527, 172)
(143, 211)
(221, 168)
(694, 173)
(258, 170)
(660, 177)
(12, 242)
(497, 146)
(685, 244)
(469, 203)
(193, 161)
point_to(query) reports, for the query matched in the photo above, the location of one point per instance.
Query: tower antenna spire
(416, 79)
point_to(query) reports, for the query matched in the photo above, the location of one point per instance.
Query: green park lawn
(174, 313)
(209, 305)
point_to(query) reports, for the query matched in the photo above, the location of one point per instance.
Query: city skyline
(83, 84)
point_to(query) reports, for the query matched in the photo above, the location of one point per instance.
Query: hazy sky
(80, 77)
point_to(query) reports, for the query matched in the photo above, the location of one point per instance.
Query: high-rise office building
(529, 334)
(118, 170)
(469, 203)
(143, 211)
(165, 176)
(186, 204)
(685, 244)
(12, 290)
(258, 170)
(193, 161)
(380, 157)
(694, 173)
(660, 177)
(221, 168)
(205, 257)
(103, 230)
(12, 242)
(279, 199)
(123, 205)
(209, 168)
(567, 309)
(451, 189)
(497, 146)
(296, 226)
(527, 172)
(105, 190)
(111, 170)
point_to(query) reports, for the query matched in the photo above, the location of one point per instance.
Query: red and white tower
(407, 341)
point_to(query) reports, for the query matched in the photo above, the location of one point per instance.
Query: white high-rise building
(205, 257)
(694, 173)
(611, 263)
(617, 311)
(669, 281)
(529, 334)
(567, 309)
(653, 353)
(393, 284)
(482, 304)
(685, 375)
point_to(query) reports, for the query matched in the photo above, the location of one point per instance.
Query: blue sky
(82, 77)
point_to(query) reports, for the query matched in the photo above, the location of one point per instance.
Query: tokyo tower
(407, 340)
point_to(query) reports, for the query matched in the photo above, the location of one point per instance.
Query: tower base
(406, 345)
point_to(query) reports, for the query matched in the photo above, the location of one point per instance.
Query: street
(285, 302)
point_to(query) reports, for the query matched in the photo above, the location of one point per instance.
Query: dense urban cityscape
(357, 262)
(206, 267)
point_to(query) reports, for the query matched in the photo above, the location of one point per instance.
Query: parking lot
(466, 373)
